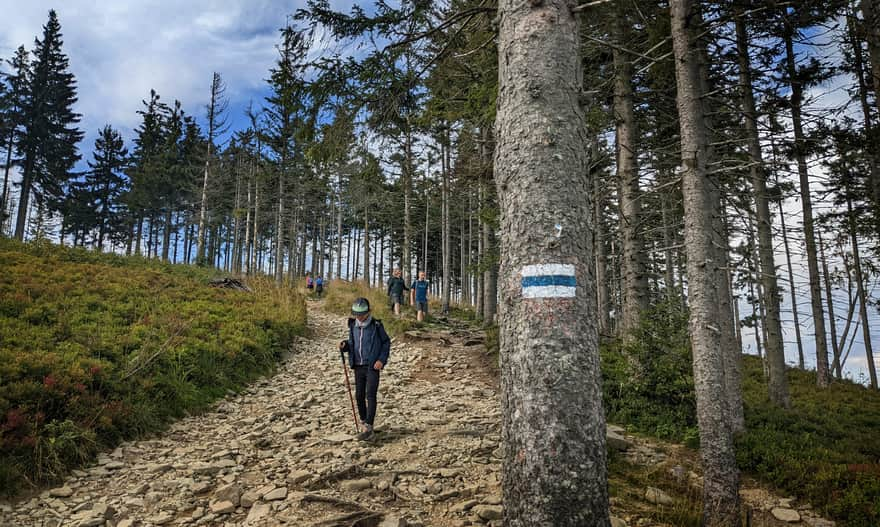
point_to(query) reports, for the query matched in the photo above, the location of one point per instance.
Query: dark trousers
(366, 381)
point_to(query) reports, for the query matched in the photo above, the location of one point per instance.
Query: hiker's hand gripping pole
(343, 347)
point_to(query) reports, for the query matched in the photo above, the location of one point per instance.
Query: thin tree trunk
(791, 286)
(860, 289)
(24, 196)
(366, 248)
(822, 376)
(599, 245)
(829, 299)
(338, 238)
(635, 285)
(407, 203)
(721, 477)
(553, 424)
(777, 383)
(446, 228)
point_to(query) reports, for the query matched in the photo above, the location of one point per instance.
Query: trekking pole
(350, 398)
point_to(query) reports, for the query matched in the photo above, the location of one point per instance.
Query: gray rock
(657, 496)
(617, 442)
(617, 522)
(230, 493)
(277, 494)
(299, 476)
(249, 498)
(785, 515)
(818, 522)
(257, 513)
(61, 492)
(488, 512)
(356, 485)
(222, 507)
(392, 520)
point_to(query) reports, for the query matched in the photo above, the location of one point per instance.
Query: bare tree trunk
(407, 204)
(366, 248)
(791, 287)
(829, 299)
(635, 285)
(248, 246)
(860, 289)
(721, 477)
(822, 376)
(338, 238)
(255, 263)
(553, 423)
(871, 14)
(481, 252)
(445, 228)
(599, 242)
(279, 228)
(777, 383)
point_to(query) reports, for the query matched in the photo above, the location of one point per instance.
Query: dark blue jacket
(377, 344)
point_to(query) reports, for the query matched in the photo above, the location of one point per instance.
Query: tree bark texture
(822, 376)
(721, 476)
(777, 384)
(553, 424)
(635, 283)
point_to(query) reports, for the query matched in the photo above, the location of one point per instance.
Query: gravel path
(283, 452)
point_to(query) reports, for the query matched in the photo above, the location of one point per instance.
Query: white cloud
(120, 50)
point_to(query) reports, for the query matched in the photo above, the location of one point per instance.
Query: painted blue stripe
(556, 279)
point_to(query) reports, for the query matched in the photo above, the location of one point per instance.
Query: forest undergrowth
(823, 450)
(97, 348)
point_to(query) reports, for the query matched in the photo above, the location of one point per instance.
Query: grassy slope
(98, 348)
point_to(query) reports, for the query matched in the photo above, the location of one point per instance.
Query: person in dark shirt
(396, 287)
(368, 347)
(419, 296)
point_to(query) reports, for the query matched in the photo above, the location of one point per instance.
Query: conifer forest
(660, 214)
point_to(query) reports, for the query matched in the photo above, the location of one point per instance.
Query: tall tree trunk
(873, 149)
(860, 289)
(777, 384)
(24, 196)
(279, 228)
(635, 284)
(599, 243)
(366, 248)
(871, 14)
(791, 286)
(256, 263)
(166, 234)
(721, 477)
(829, 299)
(822, 376)
(338, 237)
(248, 247)
(445, 228)
(4, 199)
(203, 208)
(553, 424)
(407, 202)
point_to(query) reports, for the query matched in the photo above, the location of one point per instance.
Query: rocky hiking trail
(283, 452)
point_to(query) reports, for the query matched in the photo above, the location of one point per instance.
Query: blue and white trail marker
(548, 281)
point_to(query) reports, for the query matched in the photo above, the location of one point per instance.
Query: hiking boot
(365, 436)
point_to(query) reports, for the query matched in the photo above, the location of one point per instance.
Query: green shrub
(648, 383)
(96, 348)
(824, 450)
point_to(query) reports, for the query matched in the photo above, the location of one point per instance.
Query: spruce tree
(47, 146)
(106, 181)
(14, 102)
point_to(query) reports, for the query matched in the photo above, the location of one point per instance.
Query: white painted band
(548, 269)
(548, 291)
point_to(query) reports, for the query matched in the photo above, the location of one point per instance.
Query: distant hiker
(309, 282)
(319, 286)
(396, 286)
(418, 296)
(368, 346)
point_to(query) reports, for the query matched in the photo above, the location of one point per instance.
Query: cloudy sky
(120, 50)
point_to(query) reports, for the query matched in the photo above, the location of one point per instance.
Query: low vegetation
(339, 295)
(98, 348)
(824, 450)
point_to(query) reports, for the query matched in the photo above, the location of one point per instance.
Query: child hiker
(419, 296)
(368, 346)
